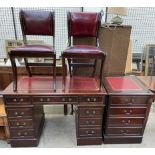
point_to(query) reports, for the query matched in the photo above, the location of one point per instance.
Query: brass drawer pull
(90, 133)
(21, 100)
(25, 133)
(87, 111)
(48, 99)
(63, 99)
(92, 122)
(88, 99)
(14, 100)
(19, 134)
(70, 99)
(94, 112)
(94, 99)
(126, 121)
(128, 112)
(41, 99)
(87, 122)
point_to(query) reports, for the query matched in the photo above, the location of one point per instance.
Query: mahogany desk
(25, 113)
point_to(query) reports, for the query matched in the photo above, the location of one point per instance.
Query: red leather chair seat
(32, 49)
(83, 50)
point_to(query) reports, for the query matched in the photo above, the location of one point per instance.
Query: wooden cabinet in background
(114, 40)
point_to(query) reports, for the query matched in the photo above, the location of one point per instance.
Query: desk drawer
(28, 133)
(124, 131)
(24, 123)
(90, 99)
(88, 122)
(19, 112)
(128, 100)
(54, 99)
(18, 100)
(90, 112)
(86, 132)
(126, 121)
(127, 111)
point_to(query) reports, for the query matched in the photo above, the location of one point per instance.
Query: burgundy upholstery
(37, 22)
(32, 49)
(83, 24)
(83, 50)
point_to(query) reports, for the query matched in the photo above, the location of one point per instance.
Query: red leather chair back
(37, 22)
(83, 24)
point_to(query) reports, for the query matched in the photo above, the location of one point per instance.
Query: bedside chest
(128, 106)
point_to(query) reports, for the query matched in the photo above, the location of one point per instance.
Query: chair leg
(69, 65)
(14, 70)
(65, 109)
(72, 109)
(94, 70)
(101, 70)
(63, 72)
(27, 67)
(54, 73)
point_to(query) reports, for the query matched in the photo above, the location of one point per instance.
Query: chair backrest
(34, 22)
(83, 24)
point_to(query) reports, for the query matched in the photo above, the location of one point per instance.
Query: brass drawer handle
(19, 134)
(48, 99)
(21, 100)
(94, 112)
(132, 100)
(126, 122)
(92, 122)
(25, 133)
(90, 133)
(70, 99)
(128, 112)
(63, 99)
(87, 112)
(87, 122)
(41, 99)
(14, 100)
(94, 99)
(88, 99)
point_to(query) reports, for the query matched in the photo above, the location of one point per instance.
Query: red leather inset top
(122, 83)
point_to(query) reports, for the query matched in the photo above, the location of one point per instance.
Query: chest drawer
(19, 112)
(90, 112)
(91, 99)
(88, 122)
(86, 132)
(129, 100)
(24, 123)
(17, 100)
(127, 111)
(28, 133)
(55, 99)
(124, 131)
(126, 121)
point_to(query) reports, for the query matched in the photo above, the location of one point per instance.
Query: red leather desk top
(123, 83)
(44, 84)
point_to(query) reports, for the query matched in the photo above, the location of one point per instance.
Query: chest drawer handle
(14, 100)
(94, 112)
(92, 122)
(63, 99)
(19, 134)
(87, 122)
(132, 100)
(16, 113)
(88, 99)
(94, 99)
(41, 99)
(21, 100)
(48, 99)
(87, 111)
(128, 112)
(25, 133)
(70, 99)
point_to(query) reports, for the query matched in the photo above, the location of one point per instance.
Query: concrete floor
(59, 132)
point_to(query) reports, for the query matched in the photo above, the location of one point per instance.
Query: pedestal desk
(25, 113)
(128, 106)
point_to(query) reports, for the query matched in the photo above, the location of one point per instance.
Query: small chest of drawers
(89, 116)
(128, 105)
